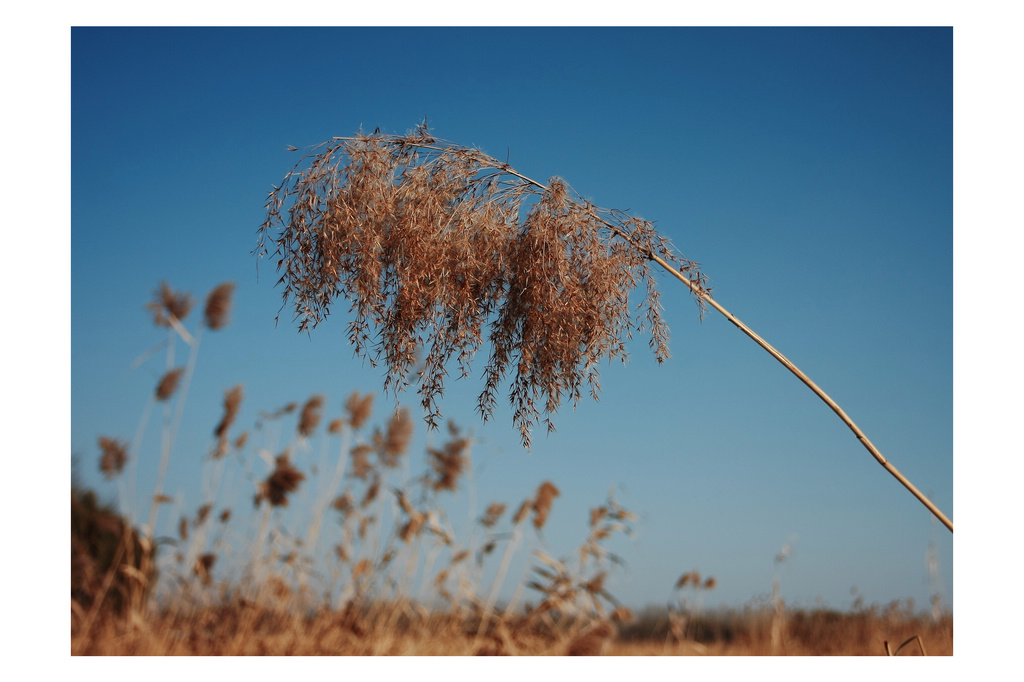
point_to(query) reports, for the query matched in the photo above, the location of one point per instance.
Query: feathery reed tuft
(203, 566)
(309, 418)
(542, 503)
(113, 456)
(232, 399)
(169, 384)
(395, 440)
(443, 247)
(218, 304)
(167, 305)
(450, 461)
(359, 409)
(283, 480)
(494, 512)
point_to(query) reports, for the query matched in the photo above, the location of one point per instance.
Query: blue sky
(809, 171)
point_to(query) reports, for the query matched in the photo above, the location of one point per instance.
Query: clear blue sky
(809, 171)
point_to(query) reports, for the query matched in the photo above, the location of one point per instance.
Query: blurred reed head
(309, 418)
(283, 480)
(167, 304)
(168, 384)
(546, 494)
(218, 305)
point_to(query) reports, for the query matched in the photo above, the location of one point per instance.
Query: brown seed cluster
(168, 384)
(113, 456)
(444, 249)
(167, 304)
(449, 461)
(309, 418)
(218, 304)
(283, 480)
(232, 400)
(359, 408)
(395, 440)
(203, 567)
(494, 512)
(542, 503)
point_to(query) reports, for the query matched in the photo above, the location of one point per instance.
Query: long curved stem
(706, 297)
(814, 387)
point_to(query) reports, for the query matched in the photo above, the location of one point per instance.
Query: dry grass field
(403, 630)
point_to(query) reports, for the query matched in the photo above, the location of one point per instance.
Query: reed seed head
(494, 512)
(113, 456)
(166, 305)
(203, 566)
(168, 384)
(361, 465)
(442, 249)
(309, 418)
(283, 480)
(218, 304)
(449, 462)
(395, 441)
(359, 408)
(546, 494)
(232, 400)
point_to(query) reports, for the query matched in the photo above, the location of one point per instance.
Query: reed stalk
(433, 243)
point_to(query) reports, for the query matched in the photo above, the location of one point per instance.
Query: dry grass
(397, 629)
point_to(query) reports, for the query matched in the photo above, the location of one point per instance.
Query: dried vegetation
(441, 250)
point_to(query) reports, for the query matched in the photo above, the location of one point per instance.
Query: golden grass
(402, 629)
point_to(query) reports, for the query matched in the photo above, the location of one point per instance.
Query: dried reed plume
(218, 304)
(169, 384)
(546, 493)
(429, 239)
(167, 305)
(283, 480)
(203, 566)
(450, 461)
(691, 578)
(432, 243)
(361, 465)
(232, 399)
(343, 503)
(309, 418)
(494, 512)
(359, 409)
(395, 440)
(114, 455)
